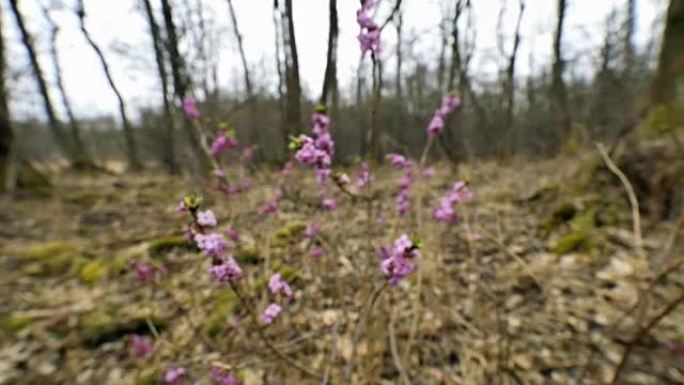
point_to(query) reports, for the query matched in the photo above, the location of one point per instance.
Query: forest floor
(540, 283)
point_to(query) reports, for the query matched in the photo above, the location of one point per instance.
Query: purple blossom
(363, 175)
(369, 41)
(317, 252)
(364, 20)
(436, 126)
(247, 154)
(428, 172)
(206, 218)
(445, 212)
(278, 286)
(311, 230)
(226, 270)
(175, 375)
(222, 143)
(212, 244)
(270, 207)
(141, 346)
(395, 263)
(343, 179)
(190, 108)
(320, 123)
(403, 202)
(182, 207)
(144, 273)
(232, 234)
(330, 204)
(221, 174)
(398, 161)
(459, 192)
(322, 174)
(271, 312)
(221, 377)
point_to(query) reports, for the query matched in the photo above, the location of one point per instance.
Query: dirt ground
(541, 282)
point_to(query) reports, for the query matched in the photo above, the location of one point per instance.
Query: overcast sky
(121, 29)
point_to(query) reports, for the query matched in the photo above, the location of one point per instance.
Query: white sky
(121, 30)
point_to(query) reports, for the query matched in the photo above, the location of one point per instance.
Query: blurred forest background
(577, 94)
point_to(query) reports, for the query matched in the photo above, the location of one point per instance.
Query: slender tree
(169, 157)
(181, 87)
(293, 111)
(253, 129)
(131, 148)
(83, 160)
(6, 134)
(399, 24)
(630, 21)
(330, 79)
(558, 88)
(509, 81)
(54, 124)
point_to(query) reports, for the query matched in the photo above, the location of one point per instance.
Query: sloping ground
(540, 283)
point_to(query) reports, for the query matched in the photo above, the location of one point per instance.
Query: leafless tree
(6, 134)
(509, 81)
(399, 23)
(181, 87)
(84, 160)
(131, 148)
(167, 140)
(54, 124)
(293, 113)
(253, 129)
(330, 86)
(629, 37)
(558, 89)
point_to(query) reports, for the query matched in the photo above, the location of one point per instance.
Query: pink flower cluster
(190, 108)
(141, 346)
(449, 104)
(445, 211)
(225, 269)
(396, 261)
(363, 175)
(403, 199)
(369, 36)
(222, 142)
(144, 273)
(221, 377)
(175, 375)
(278, 287)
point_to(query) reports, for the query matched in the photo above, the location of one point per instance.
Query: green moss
(92, 272)
(226, 303)
(171, 242)
(101, 326)
(12, 323)
(248, 255)
(288, 234)
(581, 234)
(50, 259)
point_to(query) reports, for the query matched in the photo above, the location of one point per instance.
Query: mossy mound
(102, 326)
(50, 258)
(288, 234)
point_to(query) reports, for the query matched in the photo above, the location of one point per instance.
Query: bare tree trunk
(293, 120)
(509, 83)
(56, 128)
(131, 149)
(253, 130)
(330, 79)
(6, 134)
(558, 89)
(83, 160)
(397, 81)
(180, 86)
(168, 157)
(441, 66)
(279, 40)
(629, 37)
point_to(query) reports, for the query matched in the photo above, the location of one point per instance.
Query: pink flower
(220, 174)
(445, 211)
(436, 126)
(428, 172)
(330, 204)
(175, 375)
(278, 286)
(181, 208)
(144, 273)
(343, 179)
(449, 104)
(222, 143)
(311, 230)
(320, 123)
(364, 20)
(212, 244)
(232, 234)
(190, 108)
(287, 168)
(221, 377)
(403, 202)
(270, 313)
(398, 161)
(247, 154)
(206, 218)
(317, 252)
(226, 270)
(270, 207)
(395, 262)
(369, 41)
(322, 174)
(141, 346)
(363, 176)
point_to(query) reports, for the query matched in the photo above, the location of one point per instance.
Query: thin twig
(395, 351)
(634, 203)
